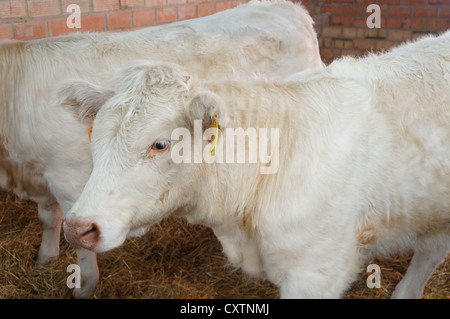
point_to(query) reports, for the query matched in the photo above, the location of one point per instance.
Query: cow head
(135, 181)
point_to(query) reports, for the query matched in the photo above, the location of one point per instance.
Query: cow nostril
(92, 229)
(91, 236)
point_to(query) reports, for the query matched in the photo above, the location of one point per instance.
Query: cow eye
(157, 148)
(160, 145)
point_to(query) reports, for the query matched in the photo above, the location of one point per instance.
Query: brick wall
(342, 27)
(340, 24)
(32, 19)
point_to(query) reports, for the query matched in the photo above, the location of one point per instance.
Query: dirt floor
(174, 260)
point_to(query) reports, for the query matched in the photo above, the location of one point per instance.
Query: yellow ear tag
(214, 124)
(90, 127)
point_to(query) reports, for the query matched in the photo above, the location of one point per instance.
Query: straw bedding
(174, 260)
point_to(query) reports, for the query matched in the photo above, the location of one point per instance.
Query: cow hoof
(84, 292)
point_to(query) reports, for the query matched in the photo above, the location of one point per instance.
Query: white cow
(45, 151)
(361, 166)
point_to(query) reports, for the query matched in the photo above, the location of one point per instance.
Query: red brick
(175, 2)
(220, 6)
(329, 55)
(415, 2)
(105, 5)
(426, 12)
(376, 33)
(118, 20)
(438, 25)
(93, 23)
(342, 44)
(364, 44)
(390, 23)
(399, 11)
(59, 26)
(342, 1)
(413, 24)
(187, 12)
(384, 11)
(360, 22)
(340, 20)
(384, 45)
(333, 9)
(43, 8)
(6, 31)
(417, 35)
(84, 5)
(445, 13)
(165, 15)
(331, 32)
(434, 2)
(399, 35)
(125, 4)
(354, 10)
(337, 43)
(385, 2)
(144, 17)
(12, 9)
(325, 43)
(353, 32)
(205, 9)
(367, 1)
(154, 3)
(30, 30)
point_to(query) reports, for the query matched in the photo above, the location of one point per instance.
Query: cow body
(45, 151)
(363, 167)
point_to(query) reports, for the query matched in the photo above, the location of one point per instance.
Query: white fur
(364, 167)
(43, 145)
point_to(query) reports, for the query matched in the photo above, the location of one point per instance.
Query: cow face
(135, 182)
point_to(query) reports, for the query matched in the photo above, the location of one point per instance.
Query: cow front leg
(87, 260)
(241, 250)
(310, 264)
(313, 280)
(422, 266)
(51, 217)
(314, 283)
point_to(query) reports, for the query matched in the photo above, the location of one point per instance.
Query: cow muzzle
(82, 233)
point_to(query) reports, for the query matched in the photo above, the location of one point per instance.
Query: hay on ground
(174, 260)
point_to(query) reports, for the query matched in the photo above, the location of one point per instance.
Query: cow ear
(84, 99)
(209, 108)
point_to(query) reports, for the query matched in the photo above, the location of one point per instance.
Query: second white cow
(363, 166)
